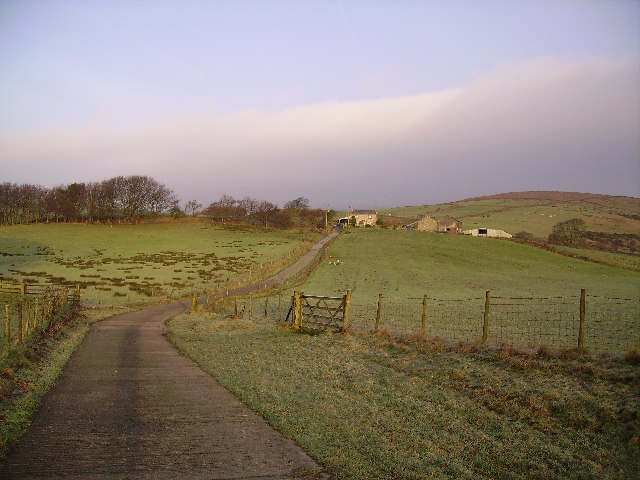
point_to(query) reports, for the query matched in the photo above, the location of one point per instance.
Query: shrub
(570, 232)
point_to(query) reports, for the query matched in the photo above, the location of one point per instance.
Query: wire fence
(28, 310)
(595, 322)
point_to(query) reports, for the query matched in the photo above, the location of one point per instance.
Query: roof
(447, 221)
(364, 212)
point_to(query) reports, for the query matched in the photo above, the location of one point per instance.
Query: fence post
(424, 313)
(266, 307)
(583, 315)
(487, 313)
(378, 310)
(279, 317)
(36, 311)
(20, 338)
(235, 306)
(7, 326)
(23, 289)
(345, 313)
(27, 316)
(194, 303)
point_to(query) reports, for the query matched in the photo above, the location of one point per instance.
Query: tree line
(136, 197)
(295, 213)
(120, 198)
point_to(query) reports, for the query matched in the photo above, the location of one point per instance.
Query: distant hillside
(536, 212)
(557, 197)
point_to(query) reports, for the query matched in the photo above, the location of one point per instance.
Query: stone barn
(425, 224)
(449, 225)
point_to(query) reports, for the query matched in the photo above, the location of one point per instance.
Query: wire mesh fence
(28, 311)
(608, 324)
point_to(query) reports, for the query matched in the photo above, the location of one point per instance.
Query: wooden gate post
(345, 313)
(424, 313)
(487, 313)
(378, 312)
(296, 310)
(583, 315)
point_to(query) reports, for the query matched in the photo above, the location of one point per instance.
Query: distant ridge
(554, 196)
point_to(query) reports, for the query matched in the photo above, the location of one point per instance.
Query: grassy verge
(26, 374)
(376, 407)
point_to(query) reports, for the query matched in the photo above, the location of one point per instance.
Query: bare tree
(192, 206)
(264, 210)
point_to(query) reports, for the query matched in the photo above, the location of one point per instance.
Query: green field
(376, 407)
(535, 292)
(136, 263)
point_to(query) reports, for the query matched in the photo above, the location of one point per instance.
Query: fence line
(31, 309)
(591, 321)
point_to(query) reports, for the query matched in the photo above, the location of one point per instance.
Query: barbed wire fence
(598, 323)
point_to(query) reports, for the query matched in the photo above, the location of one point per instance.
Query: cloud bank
(545, 124)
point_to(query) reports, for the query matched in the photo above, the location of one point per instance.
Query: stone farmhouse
(365, 217)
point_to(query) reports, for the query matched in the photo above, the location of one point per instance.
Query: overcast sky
(369, 104)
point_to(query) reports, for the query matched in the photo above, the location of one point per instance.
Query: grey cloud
(543, 124)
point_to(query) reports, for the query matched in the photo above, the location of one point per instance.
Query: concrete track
(129, 406)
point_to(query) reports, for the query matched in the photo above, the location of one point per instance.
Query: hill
(536, 212)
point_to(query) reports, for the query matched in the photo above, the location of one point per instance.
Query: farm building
(365, 217)
(449, 225)
(425, 224)
(487, 232)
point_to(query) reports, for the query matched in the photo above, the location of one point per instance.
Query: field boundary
(30, 309)
(594, 322)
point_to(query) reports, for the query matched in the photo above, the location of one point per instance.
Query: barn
(449, 225)
(487, 232)
(425, 224)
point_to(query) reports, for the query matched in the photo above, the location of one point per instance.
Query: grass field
(373, 407)
(455, 271)
(133, 263)
(410, 264)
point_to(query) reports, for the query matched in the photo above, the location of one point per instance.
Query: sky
(363, 104)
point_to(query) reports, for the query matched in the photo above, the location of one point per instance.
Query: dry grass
(377, 406)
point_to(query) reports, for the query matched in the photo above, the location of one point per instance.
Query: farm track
(129, 406)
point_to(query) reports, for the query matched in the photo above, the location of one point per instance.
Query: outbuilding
(425, 224)
(487, 232)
